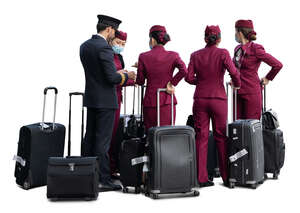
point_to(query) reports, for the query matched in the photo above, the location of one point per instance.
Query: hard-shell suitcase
(36, 143)
(213, 169)
(274, 146)
(172, 155)
(73, 177)
(245, 151)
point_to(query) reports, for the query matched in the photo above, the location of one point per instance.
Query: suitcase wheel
(137, 190)
(254, 186)
(26, 185)
(147, 194)
(231, 185)
(125, 190)
(154, 196)
(196, 193)
(261, 182)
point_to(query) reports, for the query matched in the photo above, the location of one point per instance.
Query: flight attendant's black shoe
(109, 186)
(206, 184)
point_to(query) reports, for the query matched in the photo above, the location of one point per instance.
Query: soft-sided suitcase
(213, 169)
(274, 146)
(131, 173)
(172, 155)
(36, 143)
(245, 151)
(73, 177)
(131, 154)
(130, 126)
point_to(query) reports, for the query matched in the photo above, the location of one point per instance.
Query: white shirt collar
(101, 36)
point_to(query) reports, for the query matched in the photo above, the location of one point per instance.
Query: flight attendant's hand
(170, 88)
(131, 75)
(264, 81)
(135, 65)
(231, 84)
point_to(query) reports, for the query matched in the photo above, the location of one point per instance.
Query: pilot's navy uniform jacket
(100, 98)
(100, 73)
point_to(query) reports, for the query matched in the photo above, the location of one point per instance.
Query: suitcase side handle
(44, 106)
(82, 119)
(158, 106)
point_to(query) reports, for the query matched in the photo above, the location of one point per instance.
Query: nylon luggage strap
(19, 160)
(238, 155)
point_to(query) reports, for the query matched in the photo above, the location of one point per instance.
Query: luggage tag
(20, 160)
(143, 159)
(238, 155)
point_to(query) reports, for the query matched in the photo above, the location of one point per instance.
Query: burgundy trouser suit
(157, 67)
(206, 70)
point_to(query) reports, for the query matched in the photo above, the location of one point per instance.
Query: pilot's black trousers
(99, 127)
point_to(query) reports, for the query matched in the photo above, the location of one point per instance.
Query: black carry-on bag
(37, 142)
(131, 154)
(172, 155)
(213, 169)
(245, 150)
(274, 146)
(130, 126)
(73, 177)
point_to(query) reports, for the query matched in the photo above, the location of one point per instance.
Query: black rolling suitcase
(245, 151)
(130, 126)
(172, 155)
(274, 146)
(131, 169)
(131, 156)
(213, 169)
(36, 143)
(73, 177)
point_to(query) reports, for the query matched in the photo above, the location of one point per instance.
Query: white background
(40, 47)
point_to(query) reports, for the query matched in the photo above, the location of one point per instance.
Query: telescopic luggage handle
(233, 104)
(44, 106)
(264, 98)
(158, 106)
(82, 120)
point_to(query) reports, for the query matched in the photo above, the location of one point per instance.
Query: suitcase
(73, 177)
(274, 146)
(246, 151)
(130, 126)
(131, 173)
(213, 169)
(133, 150)
(36, 143)
(172, 155)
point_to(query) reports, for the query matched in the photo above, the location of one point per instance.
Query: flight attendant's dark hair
(212, 39)
(160, 37)
(248, 33)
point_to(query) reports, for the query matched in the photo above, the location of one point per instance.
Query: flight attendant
(247, 59)
(118, 45)
(100, 97)
(206, 70)
(157, 66)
